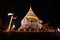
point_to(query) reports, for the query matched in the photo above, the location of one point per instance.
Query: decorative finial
(30, 7)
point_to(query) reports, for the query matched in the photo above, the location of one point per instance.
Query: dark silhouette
(1, 25)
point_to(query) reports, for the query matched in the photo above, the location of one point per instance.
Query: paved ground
(29, 35)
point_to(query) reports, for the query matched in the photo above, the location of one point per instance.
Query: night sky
(44, 9)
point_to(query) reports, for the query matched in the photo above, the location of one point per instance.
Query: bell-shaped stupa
(31, 21)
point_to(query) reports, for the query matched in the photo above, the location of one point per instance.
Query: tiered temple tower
(31, 21)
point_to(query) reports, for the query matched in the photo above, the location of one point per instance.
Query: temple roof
(30, 14)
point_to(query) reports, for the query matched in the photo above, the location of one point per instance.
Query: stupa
(31, 21)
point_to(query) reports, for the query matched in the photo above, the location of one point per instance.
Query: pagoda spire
(30, 8)
(30, 14)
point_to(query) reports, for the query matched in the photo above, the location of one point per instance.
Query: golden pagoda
(31, 21)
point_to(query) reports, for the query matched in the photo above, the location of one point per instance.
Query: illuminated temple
(30, 21)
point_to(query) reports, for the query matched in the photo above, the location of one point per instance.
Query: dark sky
(44, 9)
